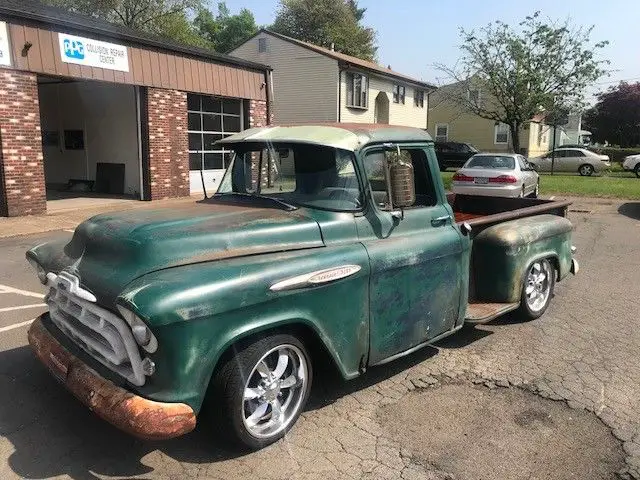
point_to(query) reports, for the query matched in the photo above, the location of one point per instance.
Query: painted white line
(70, 231)
(22, 307)
(17, 325)
(17, 291)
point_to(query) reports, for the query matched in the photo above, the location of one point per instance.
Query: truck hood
(110, 250)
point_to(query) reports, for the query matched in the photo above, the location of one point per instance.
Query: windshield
(297, 174)
(498, 162)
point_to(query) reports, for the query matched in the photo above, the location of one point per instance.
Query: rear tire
(637, 170)
(537, 289)
(267, 377)
(536, 192)
(585, 170)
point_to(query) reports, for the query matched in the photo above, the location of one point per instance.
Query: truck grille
(102, 334)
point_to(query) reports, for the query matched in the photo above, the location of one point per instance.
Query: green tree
(520, 72)
(166, 18)
(224, 32)
(326, 23)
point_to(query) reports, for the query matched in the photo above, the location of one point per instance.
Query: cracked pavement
(583, 351)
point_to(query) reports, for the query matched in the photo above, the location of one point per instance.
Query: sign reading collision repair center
(93, 53)
(5, 54)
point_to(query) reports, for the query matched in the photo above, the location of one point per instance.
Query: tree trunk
(514, 130)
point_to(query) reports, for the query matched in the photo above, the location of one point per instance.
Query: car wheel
(585, 170)
(262, 390)
(537, 289)
(536, 192)
(637, 170)
(521, 192)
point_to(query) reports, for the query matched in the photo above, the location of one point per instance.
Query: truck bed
(480, 212)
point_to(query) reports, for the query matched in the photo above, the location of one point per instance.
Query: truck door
(416, 262)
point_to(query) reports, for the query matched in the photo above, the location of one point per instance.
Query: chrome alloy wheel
(538, 285)
(274, 391)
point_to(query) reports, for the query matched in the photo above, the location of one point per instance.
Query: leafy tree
(615, 118)
(524, 71)
(167, 18)
(224, 32)
(327, 22)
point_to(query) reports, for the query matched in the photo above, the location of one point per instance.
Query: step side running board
(485, 312)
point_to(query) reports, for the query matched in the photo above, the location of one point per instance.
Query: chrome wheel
(274, 391)
(538, 285)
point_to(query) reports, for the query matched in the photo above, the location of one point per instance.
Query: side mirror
(401, 189)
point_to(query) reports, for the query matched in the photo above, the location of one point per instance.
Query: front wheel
(537, 289)
(637, 170)
(263, 389)
(586, 170)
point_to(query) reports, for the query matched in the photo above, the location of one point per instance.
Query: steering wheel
(344, 194)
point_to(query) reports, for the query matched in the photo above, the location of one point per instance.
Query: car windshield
(498, 162)
(294, 174)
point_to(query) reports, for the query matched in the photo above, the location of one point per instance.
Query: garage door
(210, 119)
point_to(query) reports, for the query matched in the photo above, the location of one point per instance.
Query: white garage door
(210, 119)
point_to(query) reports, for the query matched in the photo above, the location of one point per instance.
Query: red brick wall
(258, 113)
(168, 143)
(22, 187)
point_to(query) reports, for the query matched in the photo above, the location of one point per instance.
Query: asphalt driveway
(573, 374)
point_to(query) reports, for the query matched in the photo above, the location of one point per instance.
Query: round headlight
(141, 332)
(42, 274)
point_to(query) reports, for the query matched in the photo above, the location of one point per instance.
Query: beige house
(316, 84)
(448, 121)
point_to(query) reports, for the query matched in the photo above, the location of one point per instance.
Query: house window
(398, 94)
(357, 90)
(262, 45)
(211, 119)
(473, 95)
(418, 100)
(501, 134)
(442, 132)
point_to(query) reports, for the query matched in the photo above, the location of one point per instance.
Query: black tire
(637, 170)
(227, 397)
(586, 170)
(536, 192)
(532, 311)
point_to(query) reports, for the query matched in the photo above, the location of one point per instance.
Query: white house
(316, 84)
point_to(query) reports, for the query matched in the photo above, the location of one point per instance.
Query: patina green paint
(200, 275)
(502, 253)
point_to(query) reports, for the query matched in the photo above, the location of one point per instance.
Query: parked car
(580, 160)
(352, 256)
(497, 175)
(631, 163)
(453, 154)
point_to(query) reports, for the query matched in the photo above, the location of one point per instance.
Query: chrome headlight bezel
(140, 330)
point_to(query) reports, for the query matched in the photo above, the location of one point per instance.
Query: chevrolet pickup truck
(333, 244)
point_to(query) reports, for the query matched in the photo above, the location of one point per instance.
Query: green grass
(614, 184)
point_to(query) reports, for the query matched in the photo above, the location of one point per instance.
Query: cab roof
(346, 136)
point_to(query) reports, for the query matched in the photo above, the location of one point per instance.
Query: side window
(522, 162)
(575, 153)
(374, 167)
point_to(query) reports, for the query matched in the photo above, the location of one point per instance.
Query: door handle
(439, 221)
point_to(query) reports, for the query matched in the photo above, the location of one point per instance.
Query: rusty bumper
(135, 415)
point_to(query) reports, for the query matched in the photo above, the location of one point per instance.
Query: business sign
(5, 53)
(93, 53)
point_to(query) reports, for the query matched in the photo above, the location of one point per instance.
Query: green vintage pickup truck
(326, 243)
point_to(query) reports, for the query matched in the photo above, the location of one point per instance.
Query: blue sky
(415, 34)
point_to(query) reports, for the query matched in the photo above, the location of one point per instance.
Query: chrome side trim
(317, 277)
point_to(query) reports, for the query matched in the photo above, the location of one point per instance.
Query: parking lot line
(17, 291)
(22, 307)
(16, 325)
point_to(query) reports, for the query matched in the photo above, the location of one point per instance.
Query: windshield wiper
(277, 201)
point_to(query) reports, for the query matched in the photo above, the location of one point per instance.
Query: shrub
(617, 154)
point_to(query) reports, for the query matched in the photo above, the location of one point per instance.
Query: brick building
(91, 108)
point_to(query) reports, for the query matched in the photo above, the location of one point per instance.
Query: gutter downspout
(340, 70)
(429, 92)
(268, 78)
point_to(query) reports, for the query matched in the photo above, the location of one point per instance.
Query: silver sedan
(497, 175)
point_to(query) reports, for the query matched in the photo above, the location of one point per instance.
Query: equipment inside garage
(90, 138)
